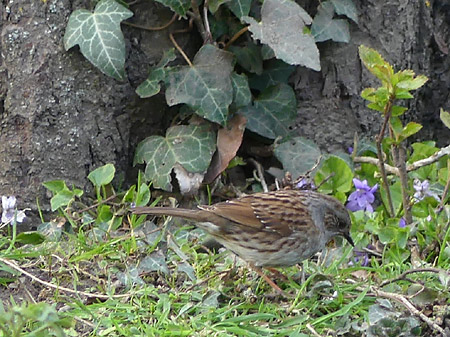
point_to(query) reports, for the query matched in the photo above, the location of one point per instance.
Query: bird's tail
(191, 214)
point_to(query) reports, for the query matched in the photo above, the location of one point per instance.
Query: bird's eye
(342, 224)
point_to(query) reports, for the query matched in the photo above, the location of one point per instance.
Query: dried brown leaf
(229, 140)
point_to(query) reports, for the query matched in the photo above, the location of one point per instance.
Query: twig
(314, 332)
(403, 300)
(418, 270)
(374, 161)
(331, 175)
(207, 279)
(235, 37)
(260, 172)
(59, 288)
(411, 167)
(82, 321)
(430, 160)
(174, 17)
(307, 173)
(373, 252)
(98, 203)
(180, 50)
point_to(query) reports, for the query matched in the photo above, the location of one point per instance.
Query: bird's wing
(261, 212)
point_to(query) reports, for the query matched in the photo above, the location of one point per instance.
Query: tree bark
(60, 117)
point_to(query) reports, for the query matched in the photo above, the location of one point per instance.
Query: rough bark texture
(60, 117)
(406, 34)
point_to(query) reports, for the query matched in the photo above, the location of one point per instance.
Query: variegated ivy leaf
(178, 6)
(298, 155)
(190, 146)
(324, 27)
(273, 112)
(99, 36)
(151, 85)
(205, 86)
(282, 28)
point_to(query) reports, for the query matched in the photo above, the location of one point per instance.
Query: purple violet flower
(306, 184)
(363, 197)
(402, 223)
(361, 257)
(423, 190)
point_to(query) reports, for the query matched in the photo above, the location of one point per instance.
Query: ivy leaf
(178, 6)
(275, 72)
(156, 261)
(325, 28)
(298, 155)
(241, 91)
(240, 8)
(249, 57)
(445, 117)
(282, 28)
(151, 85)
(187, 145)
(214, 5)
(206, 86)
(267, 53)
(99, 36)
(347, 8)
(272, 112)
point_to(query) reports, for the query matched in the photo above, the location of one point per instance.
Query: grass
(151, 282)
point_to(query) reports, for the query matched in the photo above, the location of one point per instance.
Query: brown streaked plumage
(271, 229)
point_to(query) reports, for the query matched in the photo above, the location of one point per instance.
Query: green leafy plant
(245, 77)
(71, 206)
(37, 319)
(412, 194)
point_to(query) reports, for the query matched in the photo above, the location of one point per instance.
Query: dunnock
(271, 229)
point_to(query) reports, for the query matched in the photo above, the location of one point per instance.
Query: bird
(269, 229)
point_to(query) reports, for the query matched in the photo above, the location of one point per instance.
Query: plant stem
(198, 21)
(401, 165)
(387, 115)
(174, 17)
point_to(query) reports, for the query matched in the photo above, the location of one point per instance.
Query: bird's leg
(277, 273)
(267, 279)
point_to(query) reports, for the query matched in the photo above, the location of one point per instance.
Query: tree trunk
(60, 117)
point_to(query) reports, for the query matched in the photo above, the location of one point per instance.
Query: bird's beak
(348, 238)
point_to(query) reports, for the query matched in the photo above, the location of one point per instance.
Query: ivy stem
(206, 22)
(174, 17)
(235, 37)
(387, 116)
(198, 21)
(180, 50)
